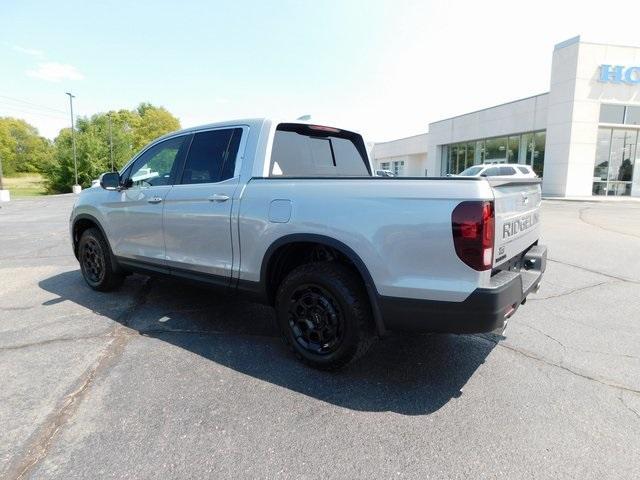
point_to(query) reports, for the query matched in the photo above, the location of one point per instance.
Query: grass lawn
(25, 185)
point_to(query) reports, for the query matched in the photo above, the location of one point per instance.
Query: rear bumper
(485, 310)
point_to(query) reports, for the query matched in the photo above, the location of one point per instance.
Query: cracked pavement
(162, 379)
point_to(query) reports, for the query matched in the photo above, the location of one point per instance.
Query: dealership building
(581, 137)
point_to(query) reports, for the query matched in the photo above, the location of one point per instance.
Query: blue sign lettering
(632, 75)
(619, 74)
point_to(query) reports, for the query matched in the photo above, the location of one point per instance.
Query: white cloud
(28, 51)
(55, 72)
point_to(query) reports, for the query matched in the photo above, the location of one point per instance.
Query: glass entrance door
(616, 155)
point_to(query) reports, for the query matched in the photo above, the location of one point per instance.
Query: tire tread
(353, 294)
(113, 278)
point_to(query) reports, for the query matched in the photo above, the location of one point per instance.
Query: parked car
(385, 173)
(289, 214)
(499, 170)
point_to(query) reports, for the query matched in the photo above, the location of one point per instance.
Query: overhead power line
(33, 105)
(25, 111)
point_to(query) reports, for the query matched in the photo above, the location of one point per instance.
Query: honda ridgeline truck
(289, 214)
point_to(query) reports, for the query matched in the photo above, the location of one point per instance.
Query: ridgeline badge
(619, 74)
(513, 227)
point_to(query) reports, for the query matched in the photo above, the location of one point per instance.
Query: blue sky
(385, 68)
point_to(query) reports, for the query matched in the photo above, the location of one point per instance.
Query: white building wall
(521, 116)
(569, 113)
(559, 118)
(574, 110)
(411, 150)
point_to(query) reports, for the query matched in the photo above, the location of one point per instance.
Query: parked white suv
(499, 170)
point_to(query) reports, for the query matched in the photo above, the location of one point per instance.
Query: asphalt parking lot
(164, 380)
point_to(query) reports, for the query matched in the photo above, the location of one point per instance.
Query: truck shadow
(410, 375)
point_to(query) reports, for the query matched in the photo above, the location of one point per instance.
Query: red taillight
(473, 225)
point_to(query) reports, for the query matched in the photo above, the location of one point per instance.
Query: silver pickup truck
(288, 213)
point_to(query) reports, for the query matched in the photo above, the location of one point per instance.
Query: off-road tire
(341, 290)
(97, 264)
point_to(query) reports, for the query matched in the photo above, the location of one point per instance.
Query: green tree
(150, 123)
(131, 130)
(21, 147)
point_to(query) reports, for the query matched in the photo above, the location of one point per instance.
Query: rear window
(311, 151)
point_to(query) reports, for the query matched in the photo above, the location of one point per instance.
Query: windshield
(471, 171)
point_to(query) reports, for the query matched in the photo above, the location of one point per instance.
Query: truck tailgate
(517, 216)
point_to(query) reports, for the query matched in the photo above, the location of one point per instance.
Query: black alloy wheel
(99, 268)
(93, 261)
(324, 314)
(315, 319)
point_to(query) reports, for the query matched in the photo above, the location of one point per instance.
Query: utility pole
(111, 143)
(4, 194)
(76, 187)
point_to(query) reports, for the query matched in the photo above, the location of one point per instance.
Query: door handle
(218, 197)
(154, 199)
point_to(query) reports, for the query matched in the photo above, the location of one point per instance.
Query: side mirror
(483, 174)
(110, 180)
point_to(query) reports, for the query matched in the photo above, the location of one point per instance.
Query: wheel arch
(82, 222)
(276, 250)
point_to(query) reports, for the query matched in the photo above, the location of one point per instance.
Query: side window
(492, 172)
(507, 171)
(523, 170)
(212, 156)
(154, 167)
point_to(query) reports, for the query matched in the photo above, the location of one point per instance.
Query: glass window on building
(616, 156)
(526, 148)
(471, 155)
(603, 148)
(398, 168)
(632, 116)
(611, 113)
(479, 150)
(623, 152)
(460, 156)
(513, 149)
(621, 114)
(460, 161)
(496, 149)
(539, 139)
(444, 164)
(453, 159)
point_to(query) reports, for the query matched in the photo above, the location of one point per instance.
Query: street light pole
(4, 194)
(73, 141)
(111, 143)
